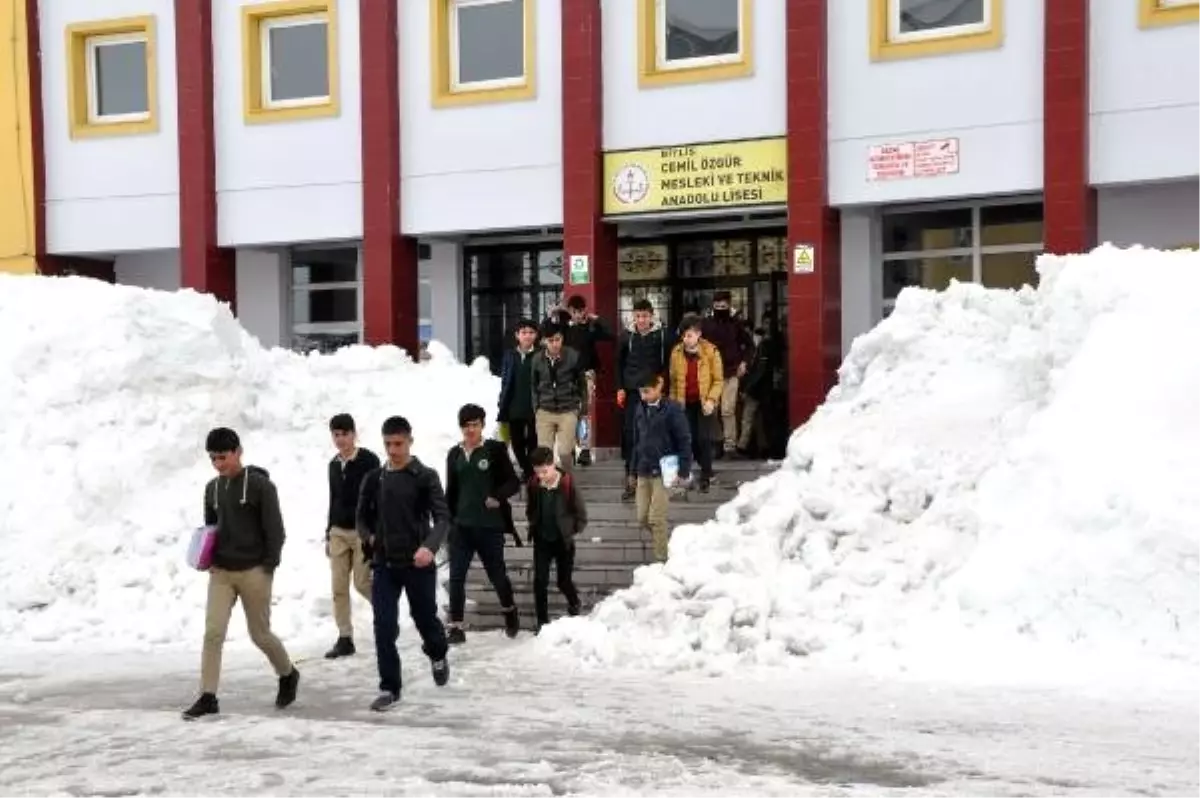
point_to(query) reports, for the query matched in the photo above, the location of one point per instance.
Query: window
(994, 244)
(112, 82)
(289, 53)
(502, 286)
(917, 28)
(483, 51)
(689, 41)
(326, 299)
(1156, 13)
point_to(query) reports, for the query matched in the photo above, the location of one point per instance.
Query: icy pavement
(513, 722)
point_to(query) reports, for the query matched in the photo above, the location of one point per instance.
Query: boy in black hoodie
(557, 514)
(479, 483)
(343, 546)
(244, 506)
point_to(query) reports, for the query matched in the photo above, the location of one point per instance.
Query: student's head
(577, 307)
(542, 460)
(397, 439)
(689, 331)
(527, 333)
(552, 337)
(224, 451)
(470, 421)
(341, 429)
(650, 386)
(643, 314)
(720, 306)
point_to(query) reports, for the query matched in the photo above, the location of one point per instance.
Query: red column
(584, 232)
(389, 260)
(814, 328)
(204, 265)
(1070, 200)
(46, 264)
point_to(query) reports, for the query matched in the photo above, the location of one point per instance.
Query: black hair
(577, 302)
(649, 379)
(643, 305)
(690, 321)
(397, 425)
(542, 456)
(551, 329)
(342, 422)
(527, 324)
(222, 439)
(722, 296)
(468, 413)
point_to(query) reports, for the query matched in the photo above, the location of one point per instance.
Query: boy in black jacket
(244, 506)
(516, 394)
(557, 514)
(403, 520)
(343, 546)
(660, 429)
(479, 482)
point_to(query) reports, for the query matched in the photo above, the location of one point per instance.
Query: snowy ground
(514, 722)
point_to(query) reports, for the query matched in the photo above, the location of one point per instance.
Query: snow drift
(998, 474)
(107, 394)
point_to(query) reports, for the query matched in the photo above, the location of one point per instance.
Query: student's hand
(708, 407)
(621, 399)
(741, 370)
(423, 558)
(491, 503)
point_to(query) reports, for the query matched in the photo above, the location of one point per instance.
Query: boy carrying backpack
(557, 514)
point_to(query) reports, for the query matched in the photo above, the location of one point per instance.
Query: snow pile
(999, 475)
(107, 395)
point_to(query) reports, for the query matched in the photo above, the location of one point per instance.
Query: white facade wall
(158, 269)
(493, 166)
(990, 100)
(445, 272)
(1145, 97)
(263, 302)
(1159, 215)
(742, 108)
(862, 274)
(111, 193)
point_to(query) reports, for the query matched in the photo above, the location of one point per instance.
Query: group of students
(387, 519)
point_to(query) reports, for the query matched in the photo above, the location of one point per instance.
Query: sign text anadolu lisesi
(696, 177)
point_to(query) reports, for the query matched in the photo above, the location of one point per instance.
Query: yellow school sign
(724, 174)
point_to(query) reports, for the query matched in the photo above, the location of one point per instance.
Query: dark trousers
(523, 434)
(420, 585)
(465, 543)
(702, 440)
(562, 555)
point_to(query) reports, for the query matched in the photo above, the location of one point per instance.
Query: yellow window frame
(1157, 14)
(256, 21)
(653, 74)
(888, 45)
(443, 45)
(81, 40)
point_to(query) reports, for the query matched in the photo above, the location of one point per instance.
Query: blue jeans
(420, 584)
(465, 543)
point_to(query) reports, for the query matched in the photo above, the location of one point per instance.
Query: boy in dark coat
(557, 515)
(660, 429)
(645, 347)
(516, 395)
(479, 483)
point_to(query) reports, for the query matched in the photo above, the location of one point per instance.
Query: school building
(388, 171)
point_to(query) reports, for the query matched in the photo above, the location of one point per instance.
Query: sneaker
(385, 701)
(585, 458)
(206, 704)
(573, 610)
(441, 671)
(287, 689)
(344, 647)
(630, 492)
(704, 484)
(512, 622)
(455, 636)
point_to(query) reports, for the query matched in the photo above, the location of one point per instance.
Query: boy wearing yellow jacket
(697, 380)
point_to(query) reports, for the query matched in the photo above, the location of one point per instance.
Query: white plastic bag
(669, 466)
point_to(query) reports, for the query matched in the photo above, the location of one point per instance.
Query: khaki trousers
(729, 400)
(253, 587)
(652, 501)
(752, 428)
(346, 564)
(589, 399)
(556, 431)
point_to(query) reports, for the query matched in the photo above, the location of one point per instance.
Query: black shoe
(573, 610)
(455, 636)
(441, 671)
(287, 689)
(630, 492)
(512, 622)
(344, 647)
(704, 484)
(385, 701)
(585, 458)
(206, 704)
